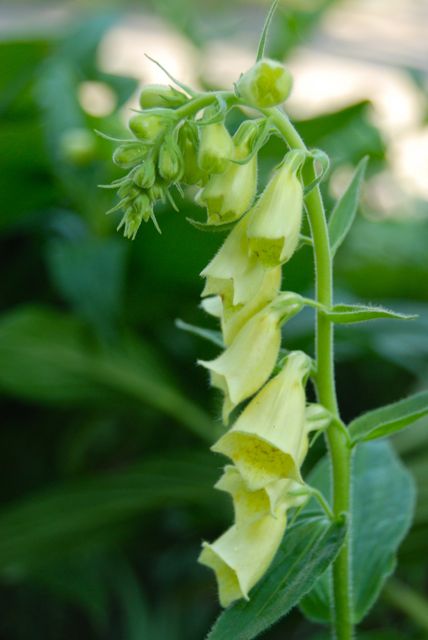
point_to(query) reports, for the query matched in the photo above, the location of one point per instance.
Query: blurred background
(106, 477)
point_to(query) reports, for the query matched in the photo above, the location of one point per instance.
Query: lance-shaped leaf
(343, 214)
(352, 313)
(383, 497)
(306, 551)
(207, 334)
(389, 419)
(53, 523)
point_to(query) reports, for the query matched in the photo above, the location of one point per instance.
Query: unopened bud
(129, 154)
(189, 142)
(160, 95)
(170, 162)
(215, 148)
(140, 209)
(144, 176)
(147, 126)
(265, 85)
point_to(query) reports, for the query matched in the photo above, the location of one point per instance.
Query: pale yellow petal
(241, 556)
(269, 440)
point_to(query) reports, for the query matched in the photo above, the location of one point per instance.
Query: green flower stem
(339, 451)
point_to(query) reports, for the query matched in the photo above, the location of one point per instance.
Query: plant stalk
(339, 450)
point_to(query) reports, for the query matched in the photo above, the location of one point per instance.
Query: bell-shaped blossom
(269, 439)
(242, 555)
(251, 505)
(234, 318)
(247, 363)
(232, 273)
(275, 220)
(229, 195)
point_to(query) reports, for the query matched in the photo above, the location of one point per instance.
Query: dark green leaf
(382, 509)
(307, 550)
(90, 275)
(53, 523)
(352, 313)
(52, 358)
(208, 334)
(214, 228)
(343, 214)
(386, 420)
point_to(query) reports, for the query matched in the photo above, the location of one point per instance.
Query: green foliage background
(106, 478)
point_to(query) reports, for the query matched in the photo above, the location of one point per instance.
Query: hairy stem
(339, 451)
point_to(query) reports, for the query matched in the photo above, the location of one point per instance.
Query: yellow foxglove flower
(232, 273)
(233, 319)
(247, 363)
(252, 505)
(276, 218)
(242, 555)
(229, 195)
(269, 439)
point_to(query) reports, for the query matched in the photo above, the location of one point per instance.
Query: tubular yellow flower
(233, 319)
(269, 440)
(232, 274)
(229, 195)
(242, 555)
(247, 363)
(275, 220)
(252, 505)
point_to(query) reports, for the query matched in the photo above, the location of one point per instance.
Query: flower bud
(147, 126)
(129, 154)
(140, 209)
(160, 95)
(144, 176)
(232, 273)
(242, 555)
(229, 195)
(170, 161)
(276, 218)
(265, 85)
(215, 148)
(269, 440)
(189, 143)
(247, 363)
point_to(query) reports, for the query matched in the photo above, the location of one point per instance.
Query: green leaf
(80, 270)
(352, 313)
(52, 524)
(208, 334)
(306, 551)
(383, 497)
(384, 421)
(343, 214)
(52, 358)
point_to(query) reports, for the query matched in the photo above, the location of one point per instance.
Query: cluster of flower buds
(269, 440)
